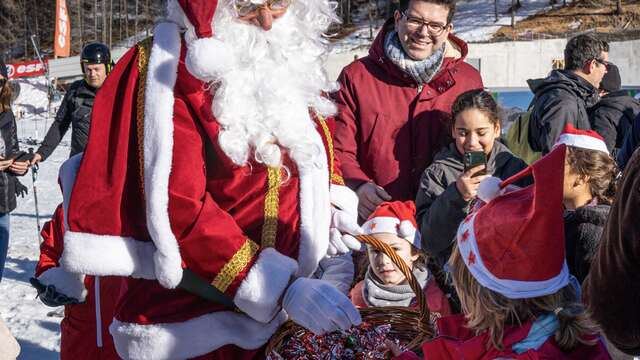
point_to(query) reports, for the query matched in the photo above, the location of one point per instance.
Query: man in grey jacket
(565, 95)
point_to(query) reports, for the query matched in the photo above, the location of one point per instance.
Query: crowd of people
(225, 180)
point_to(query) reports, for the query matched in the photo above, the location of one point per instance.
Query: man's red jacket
(389, 128)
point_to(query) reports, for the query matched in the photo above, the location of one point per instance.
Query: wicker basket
(412, 326)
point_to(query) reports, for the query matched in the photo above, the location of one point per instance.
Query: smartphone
(24, 156)
(472, 159)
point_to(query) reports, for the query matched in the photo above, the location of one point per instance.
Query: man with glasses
(395, 103)
(565, 95)
(209, 183)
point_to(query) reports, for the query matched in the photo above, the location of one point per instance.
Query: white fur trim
(315, 210)
(67, 176)
(513, 289)
(265, 283)
(489, 189)
(583, 141)
(101, 255)
(345, 199)
(66, 283)
(191, 338)
(391, 225)
(104, 255)
(158, 150)
(202, 64)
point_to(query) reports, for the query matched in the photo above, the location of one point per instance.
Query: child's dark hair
(476, 99)
(600, 170)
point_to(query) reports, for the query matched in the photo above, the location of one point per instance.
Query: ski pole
(34, 177)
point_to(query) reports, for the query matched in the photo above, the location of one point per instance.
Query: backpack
(517, 139)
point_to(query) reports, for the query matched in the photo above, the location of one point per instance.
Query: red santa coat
(85, 326)
(388, 129)
(155, 193)
(457, 342)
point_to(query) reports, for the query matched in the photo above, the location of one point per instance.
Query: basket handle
(404, 268)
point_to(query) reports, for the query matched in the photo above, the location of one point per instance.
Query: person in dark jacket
(394, 102)
(613, 115)
(446, 189)
(77, 104)
(630, 144)
(565, 95)
(9, 167)
(612, 287)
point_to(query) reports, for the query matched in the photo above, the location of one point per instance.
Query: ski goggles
(247, 8)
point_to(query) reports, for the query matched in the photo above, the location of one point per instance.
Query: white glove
(319, 307)
(338, 271)
(343, 226)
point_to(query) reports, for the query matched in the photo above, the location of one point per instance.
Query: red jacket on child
(456, 341)
(80, 338)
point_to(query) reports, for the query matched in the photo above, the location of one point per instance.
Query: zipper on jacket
(420, 87)
(96, 293)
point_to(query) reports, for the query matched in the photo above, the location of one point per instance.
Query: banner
(25, 69)
(62, 40)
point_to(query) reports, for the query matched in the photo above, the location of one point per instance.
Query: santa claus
(210, 175)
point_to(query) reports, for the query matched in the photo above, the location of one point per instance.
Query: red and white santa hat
(207, 57)
(397, 217)
(514, 244)
(585, 139)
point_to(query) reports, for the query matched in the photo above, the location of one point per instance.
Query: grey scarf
(421, 71)
(376, 293)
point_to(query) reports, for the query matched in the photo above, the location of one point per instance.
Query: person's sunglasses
(433, 28)
(245, 8)
(602, 62)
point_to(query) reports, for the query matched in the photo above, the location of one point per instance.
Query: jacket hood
(621, 101)
(562, 79)
(455, 52)
(449, 156)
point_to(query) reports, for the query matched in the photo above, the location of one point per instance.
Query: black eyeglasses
(433, 28)
(602, 62)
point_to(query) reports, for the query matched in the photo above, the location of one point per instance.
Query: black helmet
(96, 53)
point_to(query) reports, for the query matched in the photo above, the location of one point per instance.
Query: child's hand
(468, 184)
(393, 347)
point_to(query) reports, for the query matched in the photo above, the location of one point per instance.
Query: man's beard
(263, 102)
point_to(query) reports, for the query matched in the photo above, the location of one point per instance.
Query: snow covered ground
(474, 21)
(26, 316)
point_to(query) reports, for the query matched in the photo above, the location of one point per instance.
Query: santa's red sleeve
(48, 270)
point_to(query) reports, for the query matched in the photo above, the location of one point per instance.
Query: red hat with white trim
(585, 139)
(207, 57)
(514, 244)
(398, 218)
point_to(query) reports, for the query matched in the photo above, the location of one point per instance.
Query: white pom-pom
(489, 189)
(207, 58)
(406, 230)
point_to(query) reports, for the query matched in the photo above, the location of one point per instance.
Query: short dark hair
(581, 49)
(449, 4)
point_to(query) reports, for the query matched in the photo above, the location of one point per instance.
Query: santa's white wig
(265, 82)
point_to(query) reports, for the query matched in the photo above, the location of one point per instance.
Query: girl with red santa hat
(509, 269)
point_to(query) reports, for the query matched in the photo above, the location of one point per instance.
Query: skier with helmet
(77, 104)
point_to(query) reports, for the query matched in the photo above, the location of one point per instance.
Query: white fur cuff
(104, 255)
(267, 280)
(191, 338)
(69, 284)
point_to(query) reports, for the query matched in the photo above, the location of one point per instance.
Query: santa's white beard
(262, 102)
